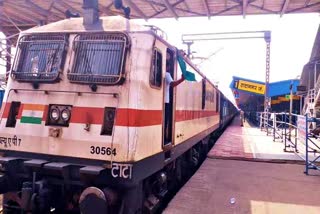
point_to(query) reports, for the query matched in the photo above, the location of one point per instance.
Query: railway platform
(250, 143)
(247, 172)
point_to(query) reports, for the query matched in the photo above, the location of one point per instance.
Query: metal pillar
(290, 110)
(267, 38)
(301, 106)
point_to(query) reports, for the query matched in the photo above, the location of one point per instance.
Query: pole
(290, 110)
(267, 38)
(300, 108)
(307, 146)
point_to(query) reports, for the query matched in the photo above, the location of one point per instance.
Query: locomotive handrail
(115, 95)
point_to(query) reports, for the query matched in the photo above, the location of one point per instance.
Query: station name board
(251, 87)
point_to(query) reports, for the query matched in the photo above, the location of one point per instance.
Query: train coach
(82, 123)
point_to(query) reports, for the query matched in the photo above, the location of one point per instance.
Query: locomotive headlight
(54, 114)
(65, 114)
(59, 115)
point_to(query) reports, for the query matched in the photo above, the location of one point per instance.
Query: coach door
(168, 102)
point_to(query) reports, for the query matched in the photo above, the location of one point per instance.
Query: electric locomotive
(82, 124)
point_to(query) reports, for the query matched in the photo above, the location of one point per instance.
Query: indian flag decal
(32, 113)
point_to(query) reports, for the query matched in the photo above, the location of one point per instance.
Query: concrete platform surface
(250, 143)
(257, 188)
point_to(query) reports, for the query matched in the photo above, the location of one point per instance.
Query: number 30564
(101, 150)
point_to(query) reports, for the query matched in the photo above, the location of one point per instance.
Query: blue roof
(275, 88)
(282, 87)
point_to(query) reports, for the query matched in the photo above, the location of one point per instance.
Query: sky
(292, 38)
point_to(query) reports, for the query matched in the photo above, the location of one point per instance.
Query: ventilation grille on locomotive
(39, 57)
(98, 58)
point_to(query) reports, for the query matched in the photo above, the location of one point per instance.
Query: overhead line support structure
(267, 38)
(189, 39)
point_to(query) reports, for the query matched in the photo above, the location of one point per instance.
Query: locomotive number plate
(101, 150)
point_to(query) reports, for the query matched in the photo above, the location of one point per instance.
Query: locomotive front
(64, 124)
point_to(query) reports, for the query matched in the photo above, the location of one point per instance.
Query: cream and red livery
(82, 127)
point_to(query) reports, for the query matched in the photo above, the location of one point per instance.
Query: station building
(249, 95)
(309, 87)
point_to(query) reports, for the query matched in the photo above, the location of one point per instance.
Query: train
(82, 123)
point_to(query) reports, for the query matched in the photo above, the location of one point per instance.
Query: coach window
(156, 69)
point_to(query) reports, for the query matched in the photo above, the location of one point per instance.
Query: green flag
(187, 74)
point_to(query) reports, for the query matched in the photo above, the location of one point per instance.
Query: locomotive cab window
(39, 58)
(156, 69)
(98, 58)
